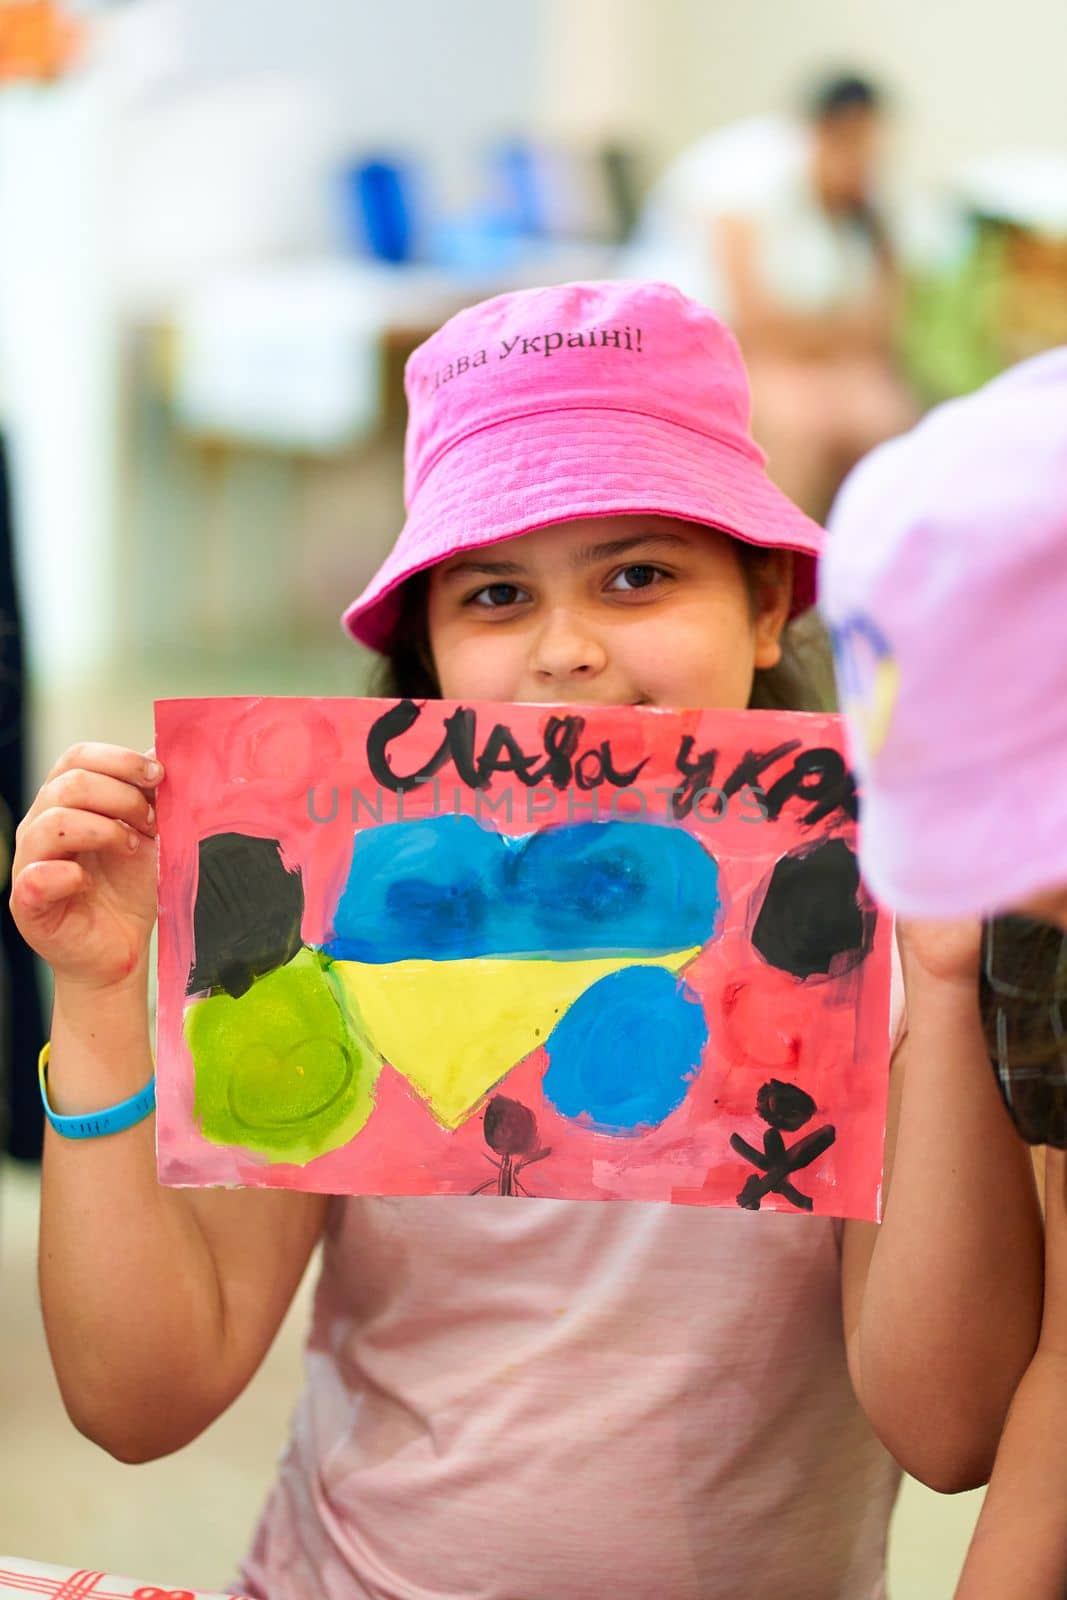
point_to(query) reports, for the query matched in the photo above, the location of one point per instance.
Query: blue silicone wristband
(115, 1119)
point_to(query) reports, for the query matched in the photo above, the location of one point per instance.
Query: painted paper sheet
(425, 948)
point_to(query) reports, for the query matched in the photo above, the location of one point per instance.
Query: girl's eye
(496, 594)
(640, 576)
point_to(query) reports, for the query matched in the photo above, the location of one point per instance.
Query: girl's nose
(565, 648)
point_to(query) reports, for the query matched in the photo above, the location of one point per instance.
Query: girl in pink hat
(554, 1401)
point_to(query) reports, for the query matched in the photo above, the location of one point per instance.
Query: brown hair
(802, 681)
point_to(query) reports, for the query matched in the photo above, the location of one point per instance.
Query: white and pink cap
(944, 584)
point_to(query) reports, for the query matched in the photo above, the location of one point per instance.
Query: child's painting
(576, 953)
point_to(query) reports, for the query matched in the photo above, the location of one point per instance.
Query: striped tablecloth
(22, 1578)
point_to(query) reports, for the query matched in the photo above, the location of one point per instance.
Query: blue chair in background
(381, 210)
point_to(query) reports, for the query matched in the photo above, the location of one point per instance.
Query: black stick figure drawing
(510, 1130)
(783, 1107)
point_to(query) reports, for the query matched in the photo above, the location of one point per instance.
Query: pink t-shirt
(551, 1400)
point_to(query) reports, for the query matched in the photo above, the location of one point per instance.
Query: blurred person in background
(776, 223)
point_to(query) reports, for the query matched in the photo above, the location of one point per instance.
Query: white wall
(58, 372)
(438, 76)
(967, 75)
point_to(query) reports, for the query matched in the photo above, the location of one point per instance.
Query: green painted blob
(283, 1071)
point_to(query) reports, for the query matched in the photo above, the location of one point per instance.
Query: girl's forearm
(1020, 1543)
(128, 1285)
(951, 1306)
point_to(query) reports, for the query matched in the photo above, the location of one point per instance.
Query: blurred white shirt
(758, 169)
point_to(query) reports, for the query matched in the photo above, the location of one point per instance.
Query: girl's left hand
(950, 952)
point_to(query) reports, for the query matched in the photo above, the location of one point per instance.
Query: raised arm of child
(159, 1304)
(942, 1301)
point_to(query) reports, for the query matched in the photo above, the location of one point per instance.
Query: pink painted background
(247, 765)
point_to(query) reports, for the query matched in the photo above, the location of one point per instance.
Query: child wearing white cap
(945, 586)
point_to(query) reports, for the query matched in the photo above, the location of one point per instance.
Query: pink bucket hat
(579, 401)
(945, 587)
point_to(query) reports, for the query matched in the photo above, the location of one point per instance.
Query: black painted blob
(815, 920)
(784, 1105)
(248, 913)
(510, 1127)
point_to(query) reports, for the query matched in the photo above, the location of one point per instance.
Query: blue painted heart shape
(445, 888)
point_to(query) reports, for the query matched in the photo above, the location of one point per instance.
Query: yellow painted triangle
(454, 1029)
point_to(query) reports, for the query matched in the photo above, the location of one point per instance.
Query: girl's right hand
(83, 890)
